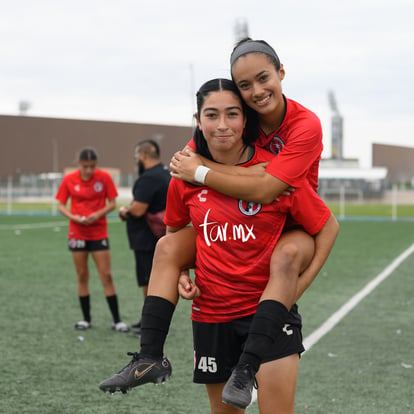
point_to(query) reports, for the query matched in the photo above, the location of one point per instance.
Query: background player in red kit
(92, 195)
(235, 241)
(293, 134)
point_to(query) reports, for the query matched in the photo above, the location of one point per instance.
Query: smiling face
(222, 120)
(260, 84)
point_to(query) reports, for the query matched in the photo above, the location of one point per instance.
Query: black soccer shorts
(218, 346)
(78, 245)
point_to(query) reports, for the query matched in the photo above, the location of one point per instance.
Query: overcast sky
(143, 61)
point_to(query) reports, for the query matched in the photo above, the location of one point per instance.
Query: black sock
(269, 318)
(113, 307)
(156, 318)
(86, 307)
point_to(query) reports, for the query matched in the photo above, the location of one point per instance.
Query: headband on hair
(252, 46)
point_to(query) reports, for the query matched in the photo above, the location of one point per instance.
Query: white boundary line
(33, 225)
(329, 324)
(44, 225)
(333, 320)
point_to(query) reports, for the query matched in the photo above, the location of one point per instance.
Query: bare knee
(83, 276)
(164, 249)
(286, 258)
(288, 253)
(106, 278)
(293, 252)
(176, 248)
(107, 283)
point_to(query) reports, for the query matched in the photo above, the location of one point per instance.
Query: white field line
(335, 318)
(44, 225)
(33, 225)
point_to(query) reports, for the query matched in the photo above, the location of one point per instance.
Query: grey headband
(252, 46)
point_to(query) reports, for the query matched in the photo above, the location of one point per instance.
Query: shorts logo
(98, 187)
(249, 208)
(276, 145)
(286, 329)
(76, 244)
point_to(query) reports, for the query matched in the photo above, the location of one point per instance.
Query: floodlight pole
(241, 30)
(192, 96)
(55, 168)
(394, 202)
(337, 128)
(9, 195)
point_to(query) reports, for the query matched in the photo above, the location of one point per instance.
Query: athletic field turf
(361, 362)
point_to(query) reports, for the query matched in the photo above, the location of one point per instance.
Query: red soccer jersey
(235, 241)
(297, 144)
(87, 197)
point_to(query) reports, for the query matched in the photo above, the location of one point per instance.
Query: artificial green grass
(364, 365)
(372, 210)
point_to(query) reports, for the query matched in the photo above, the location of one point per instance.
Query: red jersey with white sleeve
(235, 241)
(87, 197)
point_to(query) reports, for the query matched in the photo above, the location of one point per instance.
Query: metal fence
(41, 189)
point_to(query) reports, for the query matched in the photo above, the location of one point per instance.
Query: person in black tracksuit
(149, 196)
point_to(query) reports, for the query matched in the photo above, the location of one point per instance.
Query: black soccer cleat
(139, 371)
(239, 387)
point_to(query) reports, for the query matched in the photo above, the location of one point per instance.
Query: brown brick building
(31, 145)
(398, 160)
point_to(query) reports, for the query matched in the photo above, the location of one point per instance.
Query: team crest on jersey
(249, 208)
(276, 145)
(77, 187)
(98, 186)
